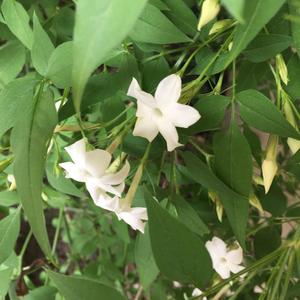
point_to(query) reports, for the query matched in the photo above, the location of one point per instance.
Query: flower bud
(210, 9)
(282, 69)
(254, 201)
(293, 144)
(219, 207)
(11, 179)
(220, 26)
(269, 165)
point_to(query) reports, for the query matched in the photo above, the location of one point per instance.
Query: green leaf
(30, 138)
(295, 26)
(78, 288)
(6, 271)
(60, 65)
(154, 27)
(235, 8)
(42, 293)
(236, 206)
(233, 160)
(259, 112)
(144, 259)
(42, 47)
(17, 20)
(180, 254)
(9, 198)
(99, 27)
(105, 85)
(12, 60)
(188, 216)
(293, 87)
(9, 231)
(14, 99)
(266, 46)
(182, 16)
(257, 13)
(212, 110)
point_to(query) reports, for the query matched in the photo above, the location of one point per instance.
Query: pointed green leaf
(180, 254)
(42, 47)
(60, 65)
(30, 138)
(259, 112)
(257, 13)
(14, 99)
(236, 169)
(9, 231)
(235, 8)
(12, 60)
(155, 28)
(236, 206)
(17, 20)
(78, 288)
(99, 27)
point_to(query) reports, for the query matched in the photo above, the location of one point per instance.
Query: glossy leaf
(154, 27)
(235, 205)
(17, 20)
(78, 288)
(14, 99)
(60, 64)
(259, 112)
(235, 8)
(30, 138)
(42, 47)
(179, 253)
(233, 160)
(96, 33)
(257, 14)
(9, 231)
(12, 60)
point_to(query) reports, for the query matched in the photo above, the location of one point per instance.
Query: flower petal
(77, 152)
(97, 161)
(235, 268)
(136, 92)
(235, 256)
(169, 132)
(182, 115)
(132, 220)
(146, 128)
(117, 178)
(216, 248)
(73, 171)
(168, 90)
(223, 270)
(105, 187)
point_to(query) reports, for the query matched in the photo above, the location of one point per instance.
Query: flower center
(223, 260)
(158, 112)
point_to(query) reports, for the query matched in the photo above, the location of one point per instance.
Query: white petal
(146, 128)
(106, 187)
(136, 92)
(132, 220)
(77, 152)
(182, 115)
(235, 256)
(223, 270)
(169, 132)
(97, 161)
(168, 90)
(196, 292)
(216, 248)
(144, 110)
(235, 268)
(117, 178)
(73, 171)
(139, 212)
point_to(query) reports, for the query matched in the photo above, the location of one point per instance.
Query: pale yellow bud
(269, 165)
(230, 46)
(269, 170)
(254, 201)
(11, 179)
(288, 111)
(282, 69)
(220, 26)
(210, 9)
(219, 207)
(293, 144)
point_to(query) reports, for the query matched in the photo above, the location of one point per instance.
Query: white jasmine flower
(91, 166)
(197, 292)
(162, 113)
(224, 260)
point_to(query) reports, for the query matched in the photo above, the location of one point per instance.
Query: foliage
(80, 75)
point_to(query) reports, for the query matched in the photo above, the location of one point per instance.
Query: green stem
(55, 240)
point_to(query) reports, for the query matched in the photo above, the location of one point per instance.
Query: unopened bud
(282, 69)
(209, 10)
(219, 207)
(293, 144)
(254, 201)
(269, 165)
(220, 26)
(11, 179)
